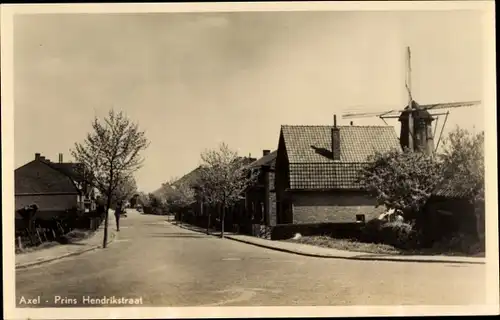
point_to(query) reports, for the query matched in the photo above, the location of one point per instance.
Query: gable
(37, 177)
(267, 160)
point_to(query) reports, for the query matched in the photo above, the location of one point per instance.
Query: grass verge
(377, 248)
(346, 244)
(71, 237)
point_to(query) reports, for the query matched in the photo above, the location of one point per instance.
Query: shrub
(400, 234)
(371, 231)
(397, 233)
(460, 243)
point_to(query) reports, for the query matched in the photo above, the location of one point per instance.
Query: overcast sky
(194, 80)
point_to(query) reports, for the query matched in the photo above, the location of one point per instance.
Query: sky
(193, 80)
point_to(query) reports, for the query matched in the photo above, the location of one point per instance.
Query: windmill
(416, 120)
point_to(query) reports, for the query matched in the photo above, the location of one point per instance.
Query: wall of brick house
(47, 202)
(338, 207)
(272, 200)
(272, 209)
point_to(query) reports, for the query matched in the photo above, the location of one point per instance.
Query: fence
(48, 227)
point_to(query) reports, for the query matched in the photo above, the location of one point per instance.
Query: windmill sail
(394, 111)
(408, 75)
(369, 114)
(435, 106)
(448, 105)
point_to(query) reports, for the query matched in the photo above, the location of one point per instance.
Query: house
(317, 170)
(260, 198)
(53, 187)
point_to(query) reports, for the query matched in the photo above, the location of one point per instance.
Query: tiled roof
(190, 178)
(309, 150)
(267, 160)
(68, 168)
(313, 144)
(327, 175)
(450, 190)
(39, 177)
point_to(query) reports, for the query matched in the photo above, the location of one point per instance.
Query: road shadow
(178, 235)
(75, 244)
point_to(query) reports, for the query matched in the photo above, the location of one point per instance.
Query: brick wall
(340, 207)
(47, 202)
(272, 200)
(272, 209)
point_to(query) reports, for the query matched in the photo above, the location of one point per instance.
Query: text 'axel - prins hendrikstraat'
(61, 300)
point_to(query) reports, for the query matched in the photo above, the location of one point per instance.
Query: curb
(358, 258)
(70, 254)
(199, 231)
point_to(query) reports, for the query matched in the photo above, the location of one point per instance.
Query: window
(360, 218)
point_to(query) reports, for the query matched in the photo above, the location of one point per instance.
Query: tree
(134, 200)
(143, 199)
(224, 177)
(179, 196)
(463, 161)
(401, 180)
(462, 157)
(110, 152)
(206, 193)
(125, 189)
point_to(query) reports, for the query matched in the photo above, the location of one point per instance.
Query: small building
(450, 211)
(317, 169)
(53, 187)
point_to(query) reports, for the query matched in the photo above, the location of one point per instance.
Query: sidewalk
(28, 259)
(211, 232)
(320, 252)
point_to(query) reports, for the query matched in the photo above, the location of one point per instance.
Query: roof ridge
(339, 126)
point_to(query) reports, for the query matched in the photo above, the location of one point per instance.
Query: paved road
(170, 266)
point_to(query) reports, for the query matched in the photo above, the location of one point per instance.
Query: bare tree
(224, 178)
(110, 152)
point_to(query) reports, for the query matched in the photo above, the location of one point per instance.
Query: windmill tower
(416, 120)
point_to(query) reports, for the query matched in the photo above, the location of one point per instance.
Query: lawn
(357, 246)
(345, 244)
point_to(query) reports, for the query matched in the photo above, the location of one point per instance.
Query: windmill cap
(417, 112)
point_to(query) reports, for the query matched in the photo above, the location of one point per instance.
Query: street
(169, 266)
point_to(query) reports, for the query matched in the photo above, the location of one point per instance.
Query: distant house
(53, 187)
(317, 170)
(200, 210)
(260, 198)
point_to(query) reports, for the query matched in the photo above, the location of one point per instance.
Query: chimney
(265, 152)
(60, 158)
(335, 139)
(37, 156)
(42, 158)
